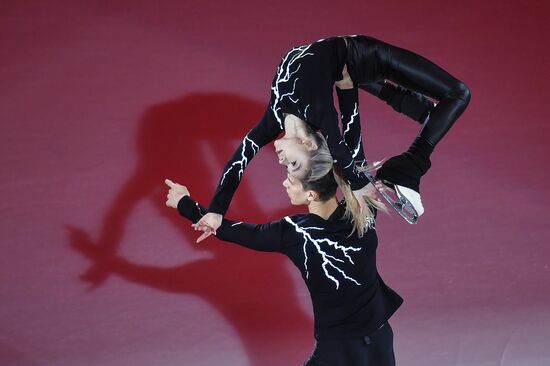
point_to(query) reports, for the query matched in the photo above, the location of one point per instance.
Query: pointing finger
(204, 236)
(169, 183)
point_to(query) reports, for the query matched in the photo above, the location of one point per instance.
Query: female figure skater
(301, 93)
(351, 303)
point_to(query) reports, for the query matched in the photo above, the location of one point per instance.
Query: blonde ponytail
(321, 164)
(362, 221)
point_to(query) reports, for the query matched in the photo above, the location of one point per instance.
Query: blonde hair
(322, 164)
(362, 220)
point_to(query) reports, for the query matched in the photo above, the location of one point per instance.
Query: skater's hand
(369, 192)
(346, 82)
(175, 193)
(209, 223)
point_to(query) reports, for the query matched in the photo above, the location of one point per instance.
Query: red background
(101, 101)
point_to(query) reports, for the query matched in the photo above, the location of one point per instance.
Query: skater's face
(295, 190)
(295, 154)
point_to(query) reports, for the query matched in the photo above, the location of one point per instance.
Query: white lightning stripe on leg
(244, 159)
(328, 260)
(288, 67)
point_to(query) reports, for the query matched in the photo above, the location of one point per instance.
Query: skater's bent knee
(460, 91)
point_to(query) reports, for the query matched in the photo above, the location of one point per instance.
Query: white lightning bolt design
(289, 66)
(313, 228)
(347, 166)
(328, 260)
(348, 127)
(352, 119)
(244, 159)
(359, 167)
(237, 223)
(357, 148)
(305, 111)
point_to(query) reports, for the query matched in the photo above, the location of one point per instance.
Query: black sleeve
(264, 132)
(341, 153)
(191, 209)
(348, 101)
(264, 237)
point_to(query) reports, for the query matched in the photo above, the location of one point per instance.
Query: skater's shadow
(169, 143)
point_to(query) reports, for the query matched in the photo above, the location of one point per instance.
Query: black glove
(406, 169)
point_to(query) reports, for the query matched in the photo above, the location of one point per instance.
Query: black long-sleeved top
(349, 297)
(303, 86)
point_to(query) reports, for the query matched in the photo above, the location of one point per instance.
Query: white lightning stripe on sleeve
(348, 127)
(237, 223)
(243, 162)
(328, 260)
(357, 148)
(352, 120)
(313, 228)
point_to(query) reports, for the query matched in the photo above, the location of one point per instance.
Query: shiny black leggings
(374, 350)
(371, 60)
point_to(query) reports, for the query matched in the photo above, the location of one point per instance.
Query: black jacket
(349, 297)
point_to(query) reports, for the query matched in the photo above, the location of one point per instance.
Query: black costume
(351, 303)
(303, 86)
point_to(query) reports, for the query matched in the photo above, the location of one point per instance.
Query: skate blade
(395, 199)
